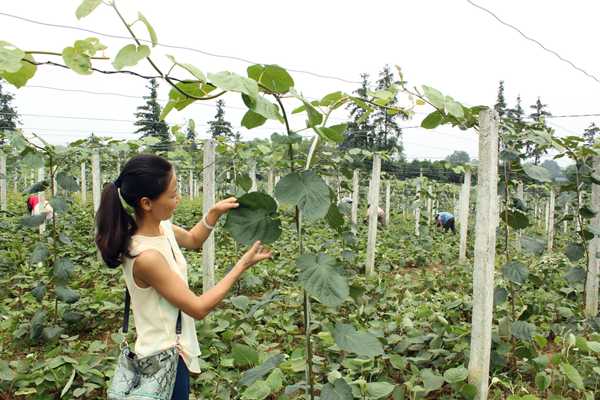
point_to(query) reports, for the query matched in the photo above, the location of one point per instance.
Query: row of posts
(486, 222)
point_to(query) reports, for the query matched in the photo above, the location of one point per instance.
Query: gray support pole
(388, 195)
(591, 282)
(3, 183)
(96, 180)
(486, 219)
(42, 197)
(208, 201)
(465, 193)
(355, 193)
(551, 220)
(374, 202)
(83, 184)
(254, 187)
(271, 182)
(418, 208)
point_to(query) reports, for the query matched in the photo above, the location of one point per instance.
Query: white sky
(448, 44)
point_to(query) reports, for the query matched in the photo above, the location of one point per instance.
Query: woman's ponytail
(145, 175)
(114, 226)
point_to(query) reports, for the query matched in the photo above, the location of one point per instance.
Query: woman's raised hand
(255, 254)
(223, 206)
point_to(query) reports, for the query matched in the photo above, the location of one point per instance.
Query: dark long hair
(145, 175)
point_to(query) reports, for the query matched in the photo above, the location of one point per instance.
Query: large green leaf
(179, 101)
(37, 325)
(573, 375)
(244, 181)
(254, 374)
(252, 120)
(78, 56)
(307, 190)
(66, 294)
(130, 55)
(576, 275)
(379, 390)
(86, 7)
(542, 381)
(195, 71)
(500, 295)
(259, 390)
(25, 73)
(320, 275)
(335, 218)
(522, 330)
(515, 219)
(362, 343)
(533, 244)
(40, 253)
(59, 204)
(338, 390)
(34, 220)
(150, 29)
(333, 133)
(235, 83)
(515, 272)
(292, 138)
(6, 373)
(434, 96)
(314, 116)
(255, 219)
(262, 106)
(575, 251)
(432, 120)
(453, 108)
(63, 268)
(38, 187)
(273, 77)
(456, 375)
(537, 173)
(431, 381)
(244, 355)
(10, 57)
(39, 292)
(67, 182)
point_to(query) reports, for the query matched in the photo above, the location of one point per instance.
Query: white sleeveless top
(155, 318)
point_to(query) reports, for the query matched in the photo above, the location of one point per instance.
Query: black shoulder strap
(128, 303)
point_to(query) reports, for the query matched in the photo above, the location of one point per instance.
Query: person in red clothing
(32, 201)
(35, 208)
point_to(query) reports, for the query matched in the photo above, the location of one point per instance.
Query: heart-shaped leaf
(255, 219)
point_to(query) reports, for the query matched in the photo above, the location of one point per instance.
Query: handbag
(149, 377)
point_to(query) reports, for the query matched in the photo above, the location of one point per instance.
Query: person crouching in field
(445, 220)
(35, 207)
(380, 214)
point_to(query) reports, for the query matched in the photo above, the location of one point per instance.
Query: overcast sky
(447, 44)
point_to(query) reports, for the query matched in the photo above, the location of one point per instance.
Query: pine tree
(148, 118)
(360, 127)
(516, 113)
(387, 131)
(500, 105)
(190, 134)
(219, 126)
(9, 118)
(538, 115)
(539, 112)
(591, 133)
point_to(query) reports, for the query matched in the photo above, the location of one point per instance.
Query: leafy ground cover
(403, 333)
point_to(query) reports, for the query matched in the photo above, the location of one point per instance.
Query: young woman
(155, 271)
